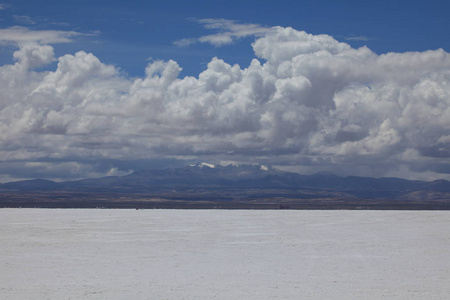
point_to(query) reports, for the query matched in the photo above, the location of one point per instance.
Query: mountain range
(205, 185)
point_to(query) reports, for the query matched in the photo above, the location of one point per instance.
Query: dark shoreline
(190, 204)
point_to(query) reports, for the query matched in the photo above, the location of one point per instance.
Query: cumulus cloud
(228, 32)
(305, 103)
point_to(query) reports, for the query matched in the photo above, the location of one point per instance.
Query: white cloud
(24, 20)
(185, 42)
(358, 38)
(229, 31)
(313, 104)
(23, 35)
(33, 55)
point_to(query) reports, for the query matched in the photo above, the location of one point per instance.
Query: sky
(99, 88)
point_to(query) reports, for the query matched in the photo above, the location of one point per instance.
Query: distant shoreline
(315, 204)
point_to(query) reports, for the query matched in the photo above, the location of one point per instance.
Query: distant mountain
(34, 184)
(233, 183)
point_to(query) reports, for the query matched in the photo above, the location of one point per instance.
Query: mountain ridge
(204, 174)
(233, 183)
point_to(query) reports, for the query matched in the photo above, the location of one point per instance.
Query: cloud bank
(305, 103)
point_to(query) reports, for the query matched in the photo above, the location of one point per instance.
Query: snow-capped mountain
(202, 165)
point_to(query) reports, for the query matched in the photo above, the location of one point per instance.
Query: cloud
(185, 42)
(358, 38)
(306, 102)
(3, 6)
(24, 20)
(33, 55)
(23, 35)
(229, 31)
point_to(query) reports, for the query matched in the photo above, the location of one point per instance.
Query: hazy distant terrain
(247, 186)
(223, 254)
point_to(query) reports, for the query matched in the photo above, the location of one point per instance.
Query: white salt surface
(217, 254)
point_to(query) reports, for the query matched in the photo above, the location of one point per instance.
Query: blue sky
(96, 88)
(127, 33)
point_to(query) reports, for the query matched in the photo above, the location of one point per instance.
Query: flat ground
(224, 254)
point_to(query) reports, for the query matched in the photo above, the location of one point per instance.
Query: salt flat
(219, 254)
